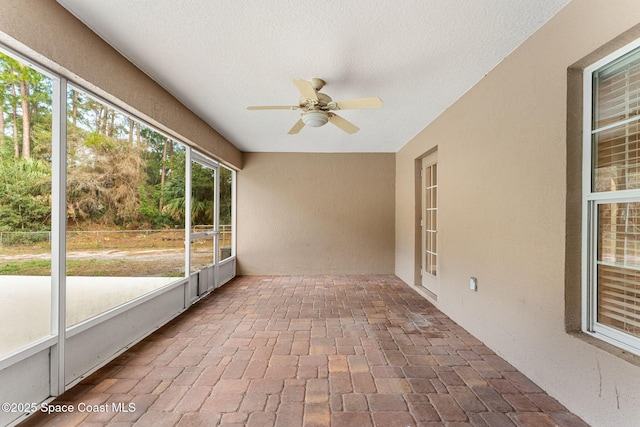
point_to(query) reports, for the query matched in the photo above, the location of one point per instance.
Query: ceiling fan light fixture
(316, 107)
(315, 118)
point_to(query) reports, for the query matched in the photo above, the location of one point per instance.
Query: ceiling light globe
(315, 118)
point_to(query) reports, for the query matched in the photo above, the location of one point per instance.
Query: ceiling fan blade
(343, 124)
(296, 128)
(359, 103)
(306, 89)
(273, 107)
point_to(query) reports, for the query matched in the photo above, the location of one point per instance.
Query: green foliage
(25, 194)
(150, 210)
(120, 173)
(226, 201)
(25, 173)
(174, 208)
(117, 169)
(99, 142)
(202, 189)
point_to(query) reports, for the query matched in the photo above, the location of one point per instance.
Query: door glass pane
(431, 198)
(125, 208)
(25, 204)
(434, 172)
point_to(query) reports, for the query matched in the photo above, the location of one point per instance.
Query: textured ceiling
(220, 56)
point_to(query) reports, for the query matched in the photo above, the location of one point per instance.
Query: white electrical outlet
(473, 284)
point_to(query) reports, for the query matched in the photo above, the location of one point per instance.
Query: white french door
(429, 224)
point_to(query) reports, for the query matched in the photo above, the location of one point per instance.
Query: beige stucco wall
(45, 32)
(502, 194)
(301, 213)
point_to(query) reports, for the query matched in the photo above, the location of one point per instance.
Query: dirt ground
(101, 253)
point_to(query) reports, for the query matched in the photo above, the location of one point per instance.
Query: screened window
(26, 126)
(125, 207)
(94, 229)
(612, 200)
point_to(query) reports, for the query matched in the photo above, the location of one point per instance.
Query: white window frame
(590, 202)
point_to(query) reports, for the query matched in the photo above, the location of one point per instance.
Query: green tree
(25, 168)
(120, 173)
(26, 99)
(165, 168)
(25, 193)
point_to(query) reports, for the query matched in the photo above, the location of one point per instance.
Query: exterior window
(612, 200)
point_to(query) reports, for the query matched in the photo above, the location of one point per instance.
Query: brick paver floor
(350, 351)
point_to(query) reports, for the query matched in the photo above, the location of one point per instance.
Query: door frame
(205, 280)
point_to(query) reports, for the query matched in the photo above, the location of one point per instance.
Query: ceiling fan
(317, 108)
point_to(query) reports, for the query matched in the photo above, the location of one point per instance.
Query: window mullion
(58, 230)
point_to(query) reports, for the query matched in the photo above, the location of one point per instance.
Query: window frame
(590, 201)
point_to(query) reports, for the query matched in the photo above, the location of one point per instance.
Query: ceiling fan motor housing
(310, 104)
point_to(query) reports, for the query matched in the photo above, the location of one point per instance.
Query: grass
(91, 267)
(26, 268)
